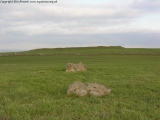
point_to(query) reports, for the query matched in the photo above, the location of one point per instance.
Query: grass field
(33, 86)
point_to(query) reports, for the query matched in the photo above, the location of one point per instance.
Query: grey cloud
(65, 20)
(147, 5)
(61, 13)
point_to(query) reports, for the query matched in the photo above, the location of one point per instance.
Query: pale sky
(71, 23)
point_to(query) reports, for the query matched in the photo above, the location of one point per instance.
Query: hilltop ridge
(98, 50)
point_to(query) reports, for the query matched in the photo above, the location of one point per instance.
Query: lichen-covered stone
(82, 89)
(97, 89)
(71, 67)
(77, 88)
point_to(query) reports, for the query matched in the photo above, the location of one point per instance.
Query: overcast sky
(70, 23)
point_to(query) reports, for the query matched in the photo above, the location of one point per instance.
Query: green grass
(34, 87)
